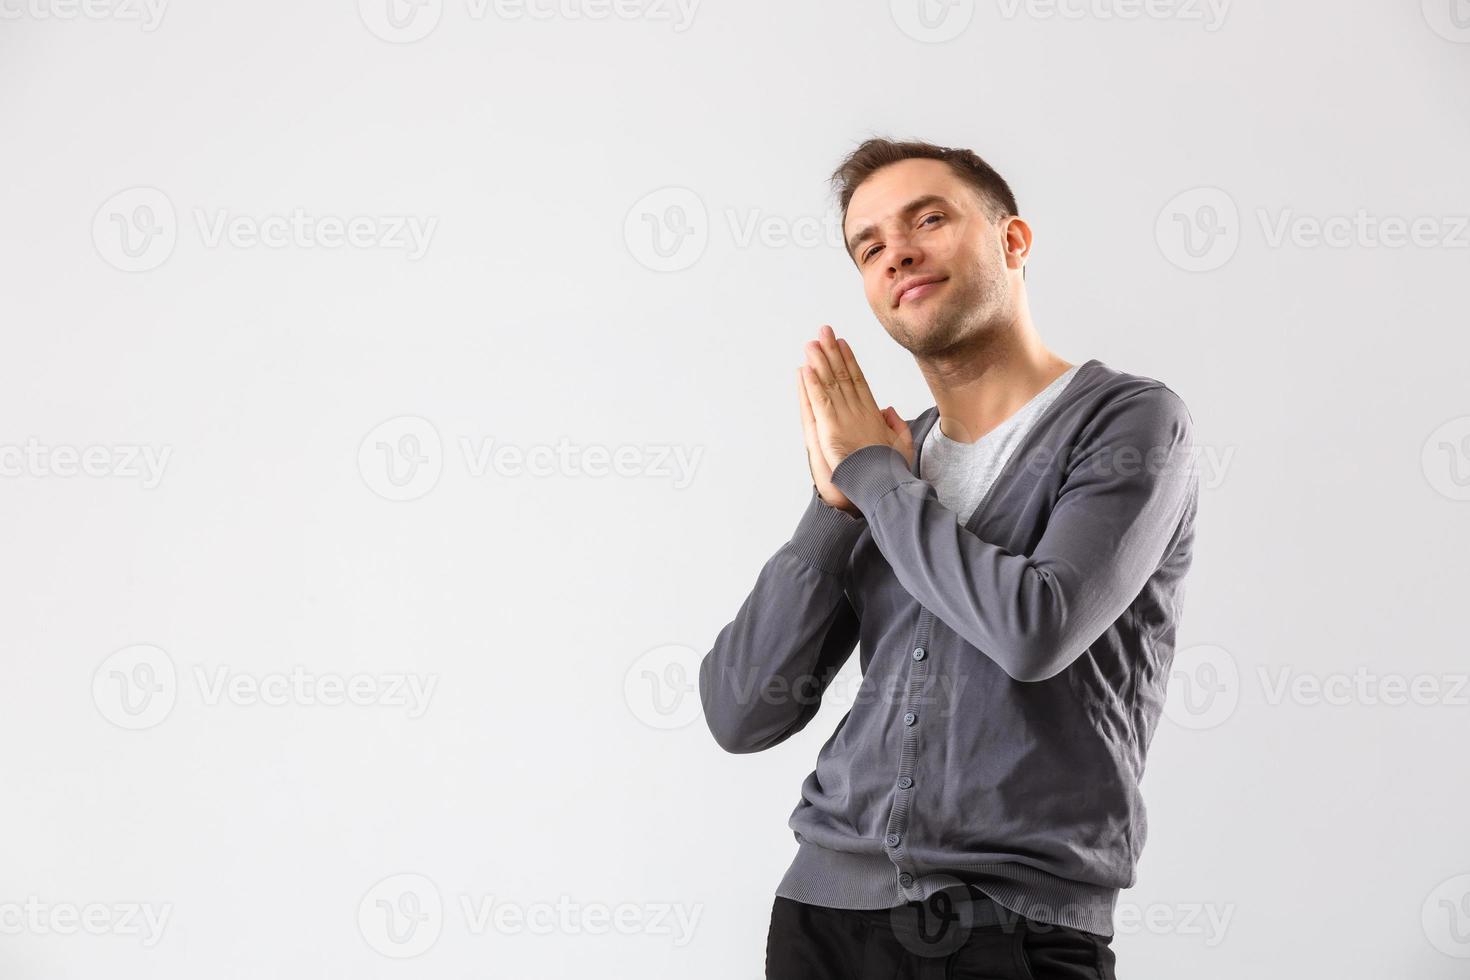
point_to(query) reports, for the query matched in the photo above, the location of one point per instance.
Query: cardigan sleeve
(764, 678)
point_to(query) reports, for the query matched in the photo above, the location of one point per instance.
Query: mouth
(913, 294)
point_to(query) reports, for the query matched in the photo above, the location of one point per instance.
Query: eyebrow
(907, 211)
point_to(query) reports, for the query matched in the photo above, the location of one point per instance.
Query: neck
(980, 386)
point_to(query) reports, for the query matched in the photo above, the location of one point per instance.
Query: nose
(903, 253)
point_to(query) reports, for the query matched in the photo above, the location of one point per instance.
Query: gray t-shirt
(962, 472)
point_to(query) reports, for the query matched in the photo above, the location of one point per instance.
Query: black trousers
(928, 940)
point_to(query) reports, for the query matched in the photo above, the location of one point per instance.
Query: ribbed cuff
(825, 535)
(869, 473)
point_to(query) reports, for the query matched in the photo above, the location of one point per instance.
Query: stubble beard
(963, 318)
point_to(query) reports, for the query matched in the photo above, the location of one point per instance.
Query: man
(1011, 563)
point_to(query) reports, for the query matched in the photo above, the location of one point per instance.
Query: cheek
(876, 293)
(953, 249)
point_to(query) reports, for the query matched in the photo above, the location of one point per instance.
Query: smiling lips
(916, 288)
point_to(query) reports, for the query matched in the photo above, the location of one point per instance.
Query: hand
(839, 412)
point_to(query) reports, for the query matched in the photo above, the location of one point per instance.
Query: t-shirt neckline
(1064, 380)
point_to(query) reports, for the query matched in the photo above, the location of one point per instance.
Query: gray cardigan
(1014, 668)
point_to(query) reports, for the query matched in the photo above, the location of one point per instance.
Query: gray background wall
(298, 663)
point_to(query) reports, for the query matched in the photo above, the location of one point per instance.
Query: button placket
(895, 839)
(918, 671)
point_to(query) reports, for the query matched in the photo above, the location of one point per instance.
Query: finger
(808, 423)
(829, 367)
(860, 387)
(837, 364)
(819, 398)
(814, 394)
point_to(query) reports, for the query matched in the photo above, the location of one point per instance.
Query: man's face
(916, 219)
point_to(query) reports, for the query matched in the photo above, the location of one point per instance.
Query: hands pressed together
(839, 415)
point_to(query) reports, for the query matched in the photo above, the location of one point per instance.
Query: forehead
(889, 188)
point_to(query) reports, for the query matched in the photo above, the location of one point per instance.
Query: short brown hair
(878, 152)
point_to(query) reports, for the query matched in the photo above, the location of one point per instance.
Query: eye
(872, 248)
